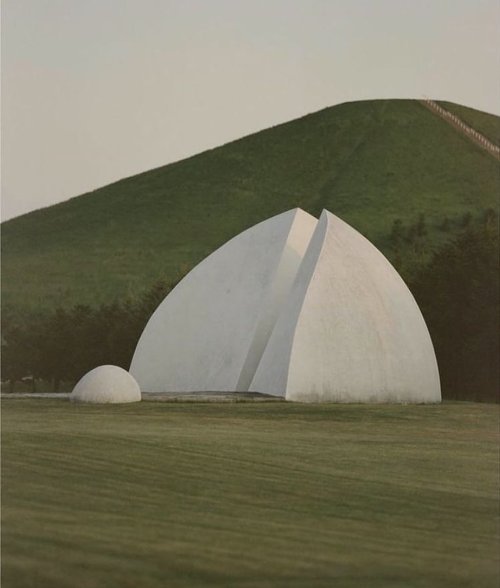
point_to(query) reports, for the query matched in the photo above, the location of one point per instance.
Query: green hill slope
(368, 162)
(487, 124)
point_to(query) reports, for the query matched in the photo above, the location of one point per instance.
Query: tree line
(457, 291)
(458, 294)
(66, 343)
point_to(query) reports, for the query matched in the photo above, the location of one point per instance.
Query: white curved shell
(210, 332)
(106, 384)
(350, 331)
(304, 309)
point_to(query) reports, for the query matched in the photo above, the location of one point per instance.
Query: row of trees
(458, 293)
(411, 245)
(402, 235)
(65, 344)
(457, 290)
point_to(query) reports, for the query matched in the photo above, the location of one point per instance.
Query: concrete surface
(106, 384)
(350, 330)
(210, 331)
(295, 308)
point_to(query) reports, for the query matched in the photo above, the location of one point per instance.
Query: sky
(97, 90)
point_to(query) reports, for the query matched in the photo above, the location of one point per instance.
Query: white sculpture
(210, 331)
(350, 331)
(292, 307)
(106, 384)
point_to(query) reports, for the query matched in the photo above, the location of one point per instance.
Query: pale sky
(97, 90)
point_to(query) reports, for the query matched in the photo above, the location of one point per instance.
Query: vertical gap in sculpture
(298, 240)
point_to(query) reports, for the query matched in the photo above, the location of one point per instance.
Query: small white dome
(106, 384)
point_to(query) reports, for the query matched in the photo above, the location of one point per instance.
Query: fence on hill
(465, 129)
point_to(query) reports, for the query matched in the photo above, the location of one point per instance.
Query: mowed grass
(249, 494)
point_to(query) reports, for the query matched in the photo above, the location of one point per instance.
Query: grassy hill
(368, 162)
(483, 122)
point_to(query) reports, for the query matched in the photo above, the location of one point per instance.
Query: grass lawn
(249, 494)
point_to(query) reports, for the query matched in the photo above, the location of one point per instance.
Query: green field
(368, 162)
(249, 494)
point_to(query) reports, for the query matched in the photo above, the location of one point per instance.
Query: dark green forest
(458, 293)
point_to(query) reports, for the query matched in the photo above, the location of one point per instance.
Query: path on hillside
(465, 129)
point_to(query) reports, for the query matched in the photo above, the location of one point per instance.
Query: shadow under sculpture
(296, 307)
